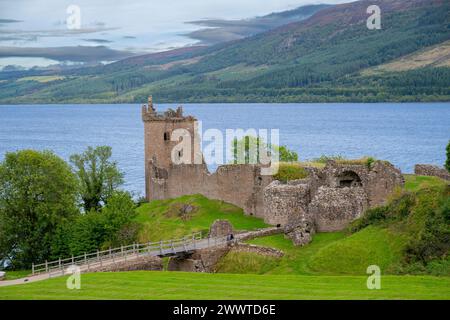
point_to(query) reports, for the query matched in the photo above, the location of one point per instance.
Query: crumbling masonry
(327, 200)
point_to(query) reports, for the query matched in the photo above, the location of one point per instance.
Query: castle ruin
(327, 200)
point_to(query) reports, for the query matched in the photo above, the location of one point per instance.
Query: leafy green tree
(111, 227)
(251, 147)
(37, 195)
(98, 176)
(447, 162)
(287, 155)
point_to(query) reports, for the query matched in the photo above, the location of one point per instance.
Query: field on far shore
(203, 286)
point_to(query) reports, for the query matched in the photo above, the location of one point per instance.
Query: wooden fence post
(32, 268)
(160, 247)
(46, 266)
(85, 258)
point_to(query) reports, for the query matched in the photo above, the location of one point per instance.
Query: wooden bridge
(100, 259)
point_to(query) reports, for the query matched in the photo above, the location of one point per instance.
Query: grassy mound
(202, 286)
(166, 219)
(296, 259)
(353, 254)
(422, 218)
(415, 183)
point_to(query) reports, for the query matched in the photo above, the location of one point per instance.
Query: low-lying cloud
(77, 53)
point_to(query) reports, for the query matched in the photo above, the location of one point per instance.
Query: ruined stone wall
(330, 198)
(241, 185)
(334, 208)
(248, 235)
(203, 260)
(284, 202)
(266, 251)
(382, 180)
(143, 263)
(431, 170)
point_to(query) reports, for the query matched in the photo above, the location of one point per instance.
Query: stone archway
(348, 179)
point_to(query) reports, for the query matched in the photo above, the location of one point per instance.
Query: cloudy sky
(29, 27)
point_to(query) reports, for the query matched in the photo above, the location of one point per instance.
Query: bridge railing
(164, 247)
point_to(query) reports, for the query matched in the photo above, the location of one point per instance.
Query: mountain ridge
(320, 59)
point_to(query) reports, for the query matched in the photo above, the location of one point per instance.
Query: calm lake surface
(404, 134)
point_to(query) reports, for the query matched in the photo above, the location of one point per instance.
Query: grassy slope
(178, 285)
(328, 254)
(331, 253)
(162, 219)
(414, 182)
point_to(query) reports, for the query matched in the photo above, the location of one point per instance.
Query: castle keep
(327, 200)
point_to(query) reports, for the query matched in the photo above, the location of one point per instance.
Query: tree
(447, 162)
(37, 194)
(251, 146)
(112, 226)
(98, 176)
(287, 155)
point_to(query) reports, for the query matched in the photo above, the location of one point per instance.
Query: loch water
(403, 133)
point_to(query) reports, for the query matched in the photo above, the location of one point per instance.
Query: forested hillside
(327, 57)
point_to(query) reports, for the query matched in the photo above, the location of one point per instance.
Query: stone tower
(159, 145)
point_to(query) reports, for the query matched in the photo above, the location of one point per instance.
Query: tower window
(166, 136)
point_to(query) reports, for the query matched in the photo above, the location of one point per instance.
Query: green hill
(323, 58)
(173, 218)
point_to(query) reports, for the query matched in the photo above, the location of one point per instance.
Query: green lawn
(201, 286)
(163, 219)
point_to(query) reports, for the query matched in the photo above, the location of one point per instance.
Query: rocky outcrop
(431, 170)
(220, 228)
(2, 275)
